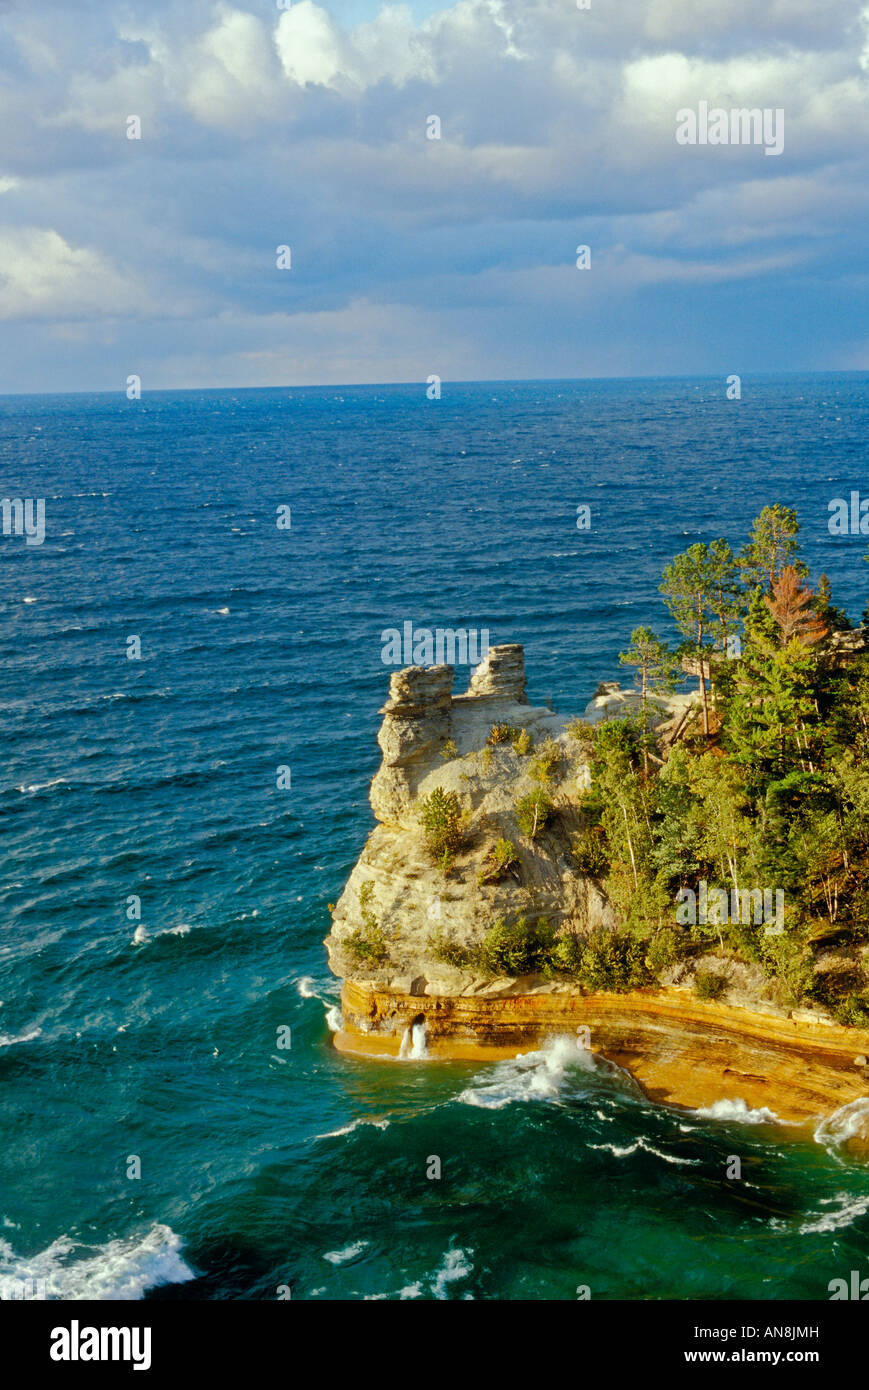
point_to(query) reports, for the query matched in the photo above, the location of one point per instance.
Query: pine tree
(835, 618)
(791, 605)
(772, 546)
(688, 585)
(657, 671)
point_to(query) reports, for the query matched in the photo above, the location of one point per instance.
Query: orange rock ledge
(680, 1050)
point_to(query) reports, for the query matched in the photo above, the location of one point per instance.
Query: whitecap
(850, 1208)
(119, 1269)
(648, 1148)
(843, 1124)
(456, 1264)
(338, 1257)
(348, 1129)
(738, 1110)
(531, 1076)
(9, 1039)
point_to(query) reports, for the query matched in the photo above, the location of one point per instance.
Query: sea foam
(120, 1269)
(532, 1076)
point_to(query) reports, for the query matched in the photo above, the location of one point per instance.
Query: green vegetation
(744, 827)
(367, 944)
(589, 852)
(500, 861)
(519, 739)
(441, 817)
(517, 948)
(533, 812)
(522, 743)
(502, 733)
(449, 750)
(770, 791)
(549, 759)
(603, 961)
(581, 731)
(508, 948)
(709, 984)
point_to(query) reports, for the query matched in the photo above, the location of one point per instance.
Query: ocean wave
(141, 935)
(849, 1210)
(532, 1076)
(627, 1149)
(121, 1269)
(43, 786)
(338, 1257)
(848, 1122)
(738, 1110)
(456, 1265)
(348, 1129)
(9, 1040)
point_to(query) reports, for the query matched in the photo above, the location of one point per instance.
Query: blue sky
(305, 124)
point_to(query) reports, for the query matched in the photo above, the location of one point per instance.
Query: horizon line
(465, 381)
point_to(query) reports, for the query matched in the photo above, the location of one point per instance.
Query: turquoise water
(156, 1037)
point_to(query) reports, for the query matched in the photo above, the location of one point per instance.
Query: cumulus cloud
(290, 125)
(42, 275)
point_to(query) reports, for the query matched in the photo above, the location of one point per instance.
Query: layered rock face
(501, 676)
(417, 722)
(433, 738)
(678, 1049)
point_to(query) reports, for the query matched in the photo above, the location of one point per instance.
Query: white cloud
(42, 275)
(310, 45)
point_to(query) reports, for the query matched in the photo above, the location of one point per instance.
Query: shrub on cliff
(517, 948)
(533, 812)
(502, 733)
(441, 817)
(667, 946)
(709, 984)
(367, 944)
(522, 742)
(589, 851)
(613, 961)
(852, 1011)
(547, 762)
(581, 731)
(442, 947)
(500, 861)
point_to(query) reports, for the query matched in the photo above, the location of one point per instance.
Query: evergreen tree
(657, 672)
(773, 545)
(836, 619)
(688, 585)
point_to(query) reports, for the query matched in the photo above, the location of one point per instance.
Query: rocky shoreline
(746, 1046)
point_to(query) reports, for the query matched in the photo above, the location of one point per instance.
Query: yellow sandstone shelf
(680, 1050)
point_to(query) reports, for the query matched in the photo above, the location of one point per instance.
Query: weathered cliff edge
(746, 1047)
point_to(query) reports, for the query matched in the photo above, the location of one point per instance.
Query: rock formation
(431, 738)
(678, 1048)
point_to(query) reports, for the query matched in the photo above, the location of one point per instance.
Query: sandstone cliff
(747, 1046)
(431, 737)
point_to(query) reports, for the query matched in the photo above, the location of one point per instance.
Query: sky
(306, 125)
